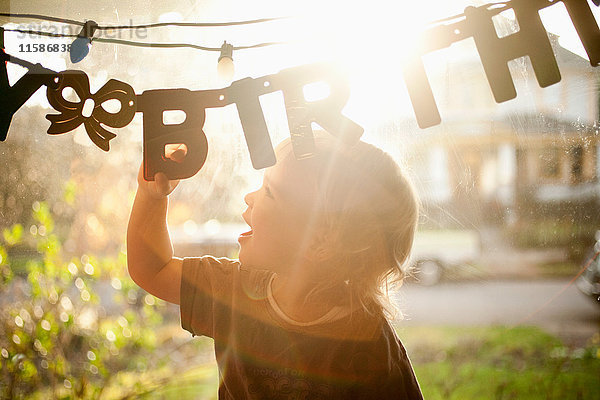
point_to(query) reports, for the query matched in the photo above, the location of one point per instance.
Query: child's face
(281, 216)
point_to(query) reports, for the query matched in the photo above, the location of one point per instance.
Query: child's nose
(248, 198)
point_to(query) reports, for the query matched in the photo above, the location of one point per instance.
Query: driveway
(553, 305)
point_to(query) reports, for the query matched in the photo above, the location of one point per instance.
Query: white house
(485, 158)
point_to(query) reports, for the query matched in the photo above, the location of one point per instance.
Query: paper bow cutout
(72, 113)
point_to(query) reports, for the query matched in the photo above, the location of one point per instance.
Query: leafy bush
(57, 338)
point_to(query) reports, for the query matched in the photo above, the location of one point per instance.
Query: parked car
(589, 281)
(437, 254)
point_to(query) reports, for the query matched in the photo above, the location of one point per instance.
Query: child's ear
(321, 247)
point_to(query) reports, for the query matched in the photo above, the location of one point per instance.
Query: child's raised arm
(150, 258)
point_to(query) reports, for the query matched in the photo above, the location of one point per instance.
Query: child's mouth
(247, 234)
(250, 232)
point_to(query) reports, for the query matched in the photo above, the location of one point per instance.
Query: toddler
(303, 313)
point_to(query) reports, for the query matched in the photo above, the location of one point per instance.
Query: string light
(225, 67)
(494, 8)
(436, 35)
(82, 45)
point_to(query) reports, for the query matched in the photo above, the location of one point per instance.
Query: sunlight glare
(316, 91)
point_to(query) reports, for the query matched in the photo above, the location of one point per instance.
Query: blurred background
(510, 192)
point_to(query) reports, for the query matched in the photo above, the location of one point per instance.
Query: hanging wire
(41, 33)
(505, 5)
(141, 44)
(43, 17)
(144, 44)
(193, 24)
(181, 45)
(493, 8)
(153, 25)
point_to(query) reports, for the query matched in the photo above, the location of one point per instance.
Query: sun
(367, 41)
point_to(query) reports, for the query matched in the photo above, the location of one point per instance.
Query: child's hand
(161, 187)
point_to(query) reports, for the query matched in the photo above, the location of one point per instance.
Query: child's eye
(268, 191)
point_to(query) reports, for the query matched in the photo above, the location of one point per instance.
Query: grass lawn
(463, 363)
(501, 363)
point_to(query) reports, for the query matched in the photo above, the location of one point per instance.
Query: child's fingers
(178, 155)
(161, 183)
(160, 187)
(164, 186)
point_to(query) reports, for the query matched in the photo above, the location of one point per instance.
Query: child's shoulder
(231, 268)
(211, 263)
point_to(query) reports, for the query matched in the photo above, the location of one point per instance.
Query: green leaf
(70, 192)
(13, 236)
(41, 213)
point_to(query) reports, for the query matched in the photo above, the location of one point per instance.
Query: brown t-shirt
(261, 356)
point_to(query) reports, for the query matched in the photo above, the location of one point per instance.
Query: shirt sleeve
(206, 291)
(402, 381)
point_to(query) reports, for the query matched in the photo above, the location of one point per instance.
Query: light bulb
(225, 68)
(79, 49)
(83, 43)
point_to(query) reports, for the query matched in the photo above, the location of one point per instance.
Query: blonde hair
(367, 211)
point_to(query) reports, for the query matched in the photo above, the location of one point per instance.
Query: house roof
(565, 57)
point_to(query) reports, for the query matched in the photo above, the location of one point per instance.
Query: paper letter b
(157, 135)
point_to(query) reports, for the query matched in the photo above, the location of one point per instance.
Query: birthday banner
(152, 103)
(531, 40)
